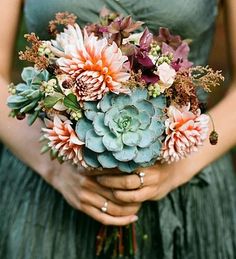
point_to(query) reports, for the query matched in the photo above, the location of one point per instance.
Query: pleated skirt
(195, 221)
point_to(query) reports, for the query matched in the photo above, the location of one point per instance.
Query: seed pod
(213, 138)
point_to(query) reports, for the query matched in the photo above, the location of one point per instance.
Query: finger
(128, 182)
(113, 209)
(106, 219)
(135, 196)
(90, 184)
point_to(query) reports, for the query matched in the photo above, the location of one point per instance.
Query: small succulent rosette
(123, 131)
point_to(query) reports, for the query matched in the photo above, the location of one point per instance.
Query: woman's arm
(161, 179)
(82, 192)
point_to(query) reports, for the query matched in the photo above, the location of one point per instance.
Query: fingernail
(134, 218)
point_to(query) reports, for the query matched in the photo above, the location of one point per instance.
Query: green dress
(195, 221)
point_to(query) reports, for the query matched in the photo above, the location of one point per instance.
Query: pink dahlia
(185, 132)
(95, 66)
(63, 138)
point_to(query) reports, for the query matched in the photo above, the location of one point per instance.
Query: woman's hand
(158, 181)
(83, 193)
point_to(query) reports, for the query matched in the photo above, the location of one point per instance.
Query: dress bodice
(189, 18)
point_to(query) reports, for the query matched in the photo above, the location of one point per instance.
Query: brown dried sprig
(135, 80)
(183, 91)
(61, 19)
(206, 77)
(31, 53)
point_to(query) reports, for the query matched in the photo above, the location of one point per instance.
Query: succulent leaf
(126, 154)
(107, 160)
(81, 128)
(112, 143)
(127, 167)
(90, 158)
(94, 142)
(147, 137)
(105, 103)
(131, 138)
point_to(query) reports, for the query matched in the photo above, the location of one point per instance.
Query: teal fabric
(195, 221)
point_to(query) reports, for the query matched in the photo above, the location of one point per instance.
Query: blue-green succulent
(28, 94)
(123, 131)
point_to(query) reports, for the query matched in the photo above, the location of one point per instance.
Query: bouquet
(113, 95)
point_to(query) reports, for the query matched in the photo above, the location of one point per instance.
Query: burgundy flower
(165, 37)
(180, 55)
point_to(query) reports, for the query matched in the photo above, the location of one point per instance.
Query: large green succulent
(122, 131)
(28, 94)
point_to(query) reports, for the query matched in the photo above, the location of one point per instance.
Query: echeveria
(28, 94)
(122, 131)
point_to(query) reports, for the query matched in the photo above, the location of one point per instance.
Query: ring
(141, 178)
(104, 207)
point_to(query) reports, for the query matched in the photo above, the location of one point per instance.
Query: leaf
(157, 127)
(112, 143)
(81, 128)
(94, 142)
(28, 74)
(139, 94)
(121, 100)
(105, 103)
(147, 137)
(128, 167)
(99, 126)
(159, 102)
(22, 87)
(32, 118)
(107, 160)
(146, 106)
(50, 101)
(70, 101)
(90, 110)
(90, 158)
(131, 138)
(144, 155)
(145, 120)
(29, 107)
(33, 95)
(126, 154)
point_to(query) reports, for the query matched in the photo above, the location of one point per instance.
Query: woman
(188, 209)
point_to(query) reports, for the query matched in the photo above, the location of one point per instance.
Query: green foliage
(123, 131)
(70, 101)
(27, 95)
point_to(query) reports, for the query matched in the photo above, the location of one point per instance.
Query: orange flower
(63, 138)
(185, 132)
(95, 65)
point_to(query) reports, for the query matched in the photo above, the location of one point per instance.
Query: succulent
(28, 94)
(123, 131)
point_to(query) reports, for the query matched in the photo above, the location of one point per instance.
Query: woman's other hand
(83, 193)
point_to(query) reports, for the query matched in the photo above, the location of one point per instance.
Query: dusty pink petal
(94, 65)
(63, 138)
(185, 132)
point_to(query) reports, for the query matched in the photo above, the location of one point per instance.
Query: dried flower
(31, 54)
(63, 18)
(185, 132)
(206, 77)
(183, 91)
